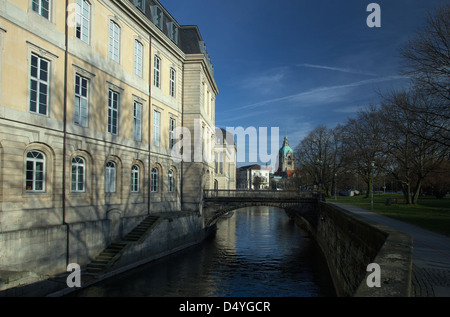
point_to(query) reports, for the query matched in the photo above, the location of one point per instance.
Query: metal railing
(255, 194)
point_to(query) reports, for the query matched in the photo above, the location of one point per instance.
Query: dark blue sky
(295, 64)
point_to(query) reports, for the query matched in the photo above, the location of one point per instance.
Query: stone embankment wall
(351, 243)
(44, 250)
(41, 253)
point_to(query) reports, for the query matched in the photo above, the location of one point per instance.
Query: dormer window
(140, 4)
(157, 16)
(173, 32)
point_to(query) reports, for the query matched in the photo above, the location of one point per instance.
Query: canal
(258, 252)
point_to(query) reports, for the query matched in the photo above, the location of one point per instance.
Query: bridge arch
(217, 203)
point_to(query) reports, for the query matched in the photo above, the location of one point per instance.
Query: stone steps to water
(112, 253)
(137, 233)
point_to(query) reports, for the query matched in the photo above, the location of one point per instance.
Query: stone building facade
(88, 115)
(254, 177)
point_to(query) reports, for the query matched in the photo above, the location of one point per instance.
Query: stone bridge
(218, 203)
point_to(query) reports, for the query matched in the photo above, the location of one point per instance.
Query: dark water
(259, 252)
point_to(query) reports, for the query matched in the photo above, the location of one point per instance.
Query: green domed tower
(286, 158)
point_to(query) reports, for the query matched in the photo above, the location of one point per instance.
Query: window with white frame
(138, 58)
(35, 172)
(39, 85)
(156, 127)
(135, 179)
(170, 182)
(113, 112)
(42, 7)
(172, 126)
(78, 175)
(81, 107)
(83, 16)
(157, 72)
(114, 41)
(137, 121)
(110, 177)
(154, 182)
(172, 83)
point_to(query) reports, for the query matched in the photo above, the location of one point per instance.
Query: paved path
(431, 254)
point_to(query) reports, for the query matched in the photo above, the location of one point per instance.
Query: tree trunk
(417, 192)
(407, 193)
(369, 187)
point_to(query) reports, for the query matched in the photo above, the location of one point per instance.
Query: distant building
(254, 177)
(286, 161)
(225, 160)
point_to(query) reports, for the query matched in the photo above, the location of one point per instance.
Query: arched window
(110, 177)
(35, 173)
(170, 181)
(78, 175)
(135, 179)
(154, 180)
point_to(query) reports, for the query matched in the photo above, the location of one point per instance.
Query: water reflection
(258, 252)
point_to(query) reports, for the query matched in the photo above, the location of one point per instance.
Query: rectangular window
(83, 20)
(173, 75)
(172, 126)
(42, 7)
(113, 112)
(137, 122)
(81, 101)
(138, 58)
(39, 85)
(156, 127)
(114, 41)
(157, 72)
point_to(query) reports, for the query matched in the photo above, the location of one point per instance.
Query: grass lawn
(430, 213)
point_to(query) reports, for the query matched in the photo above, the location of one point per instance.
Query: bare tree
(364, 145)
(427, 61)
(318, 157)
(411, 153)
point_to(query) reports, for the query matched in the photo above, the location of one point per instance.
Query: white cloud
(319, 95)
(338, 69)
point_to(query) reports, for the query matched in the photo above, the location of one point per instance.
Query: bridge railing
(255, 194)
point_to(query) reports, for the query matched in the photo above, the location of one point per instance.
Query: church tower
(286, 159)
